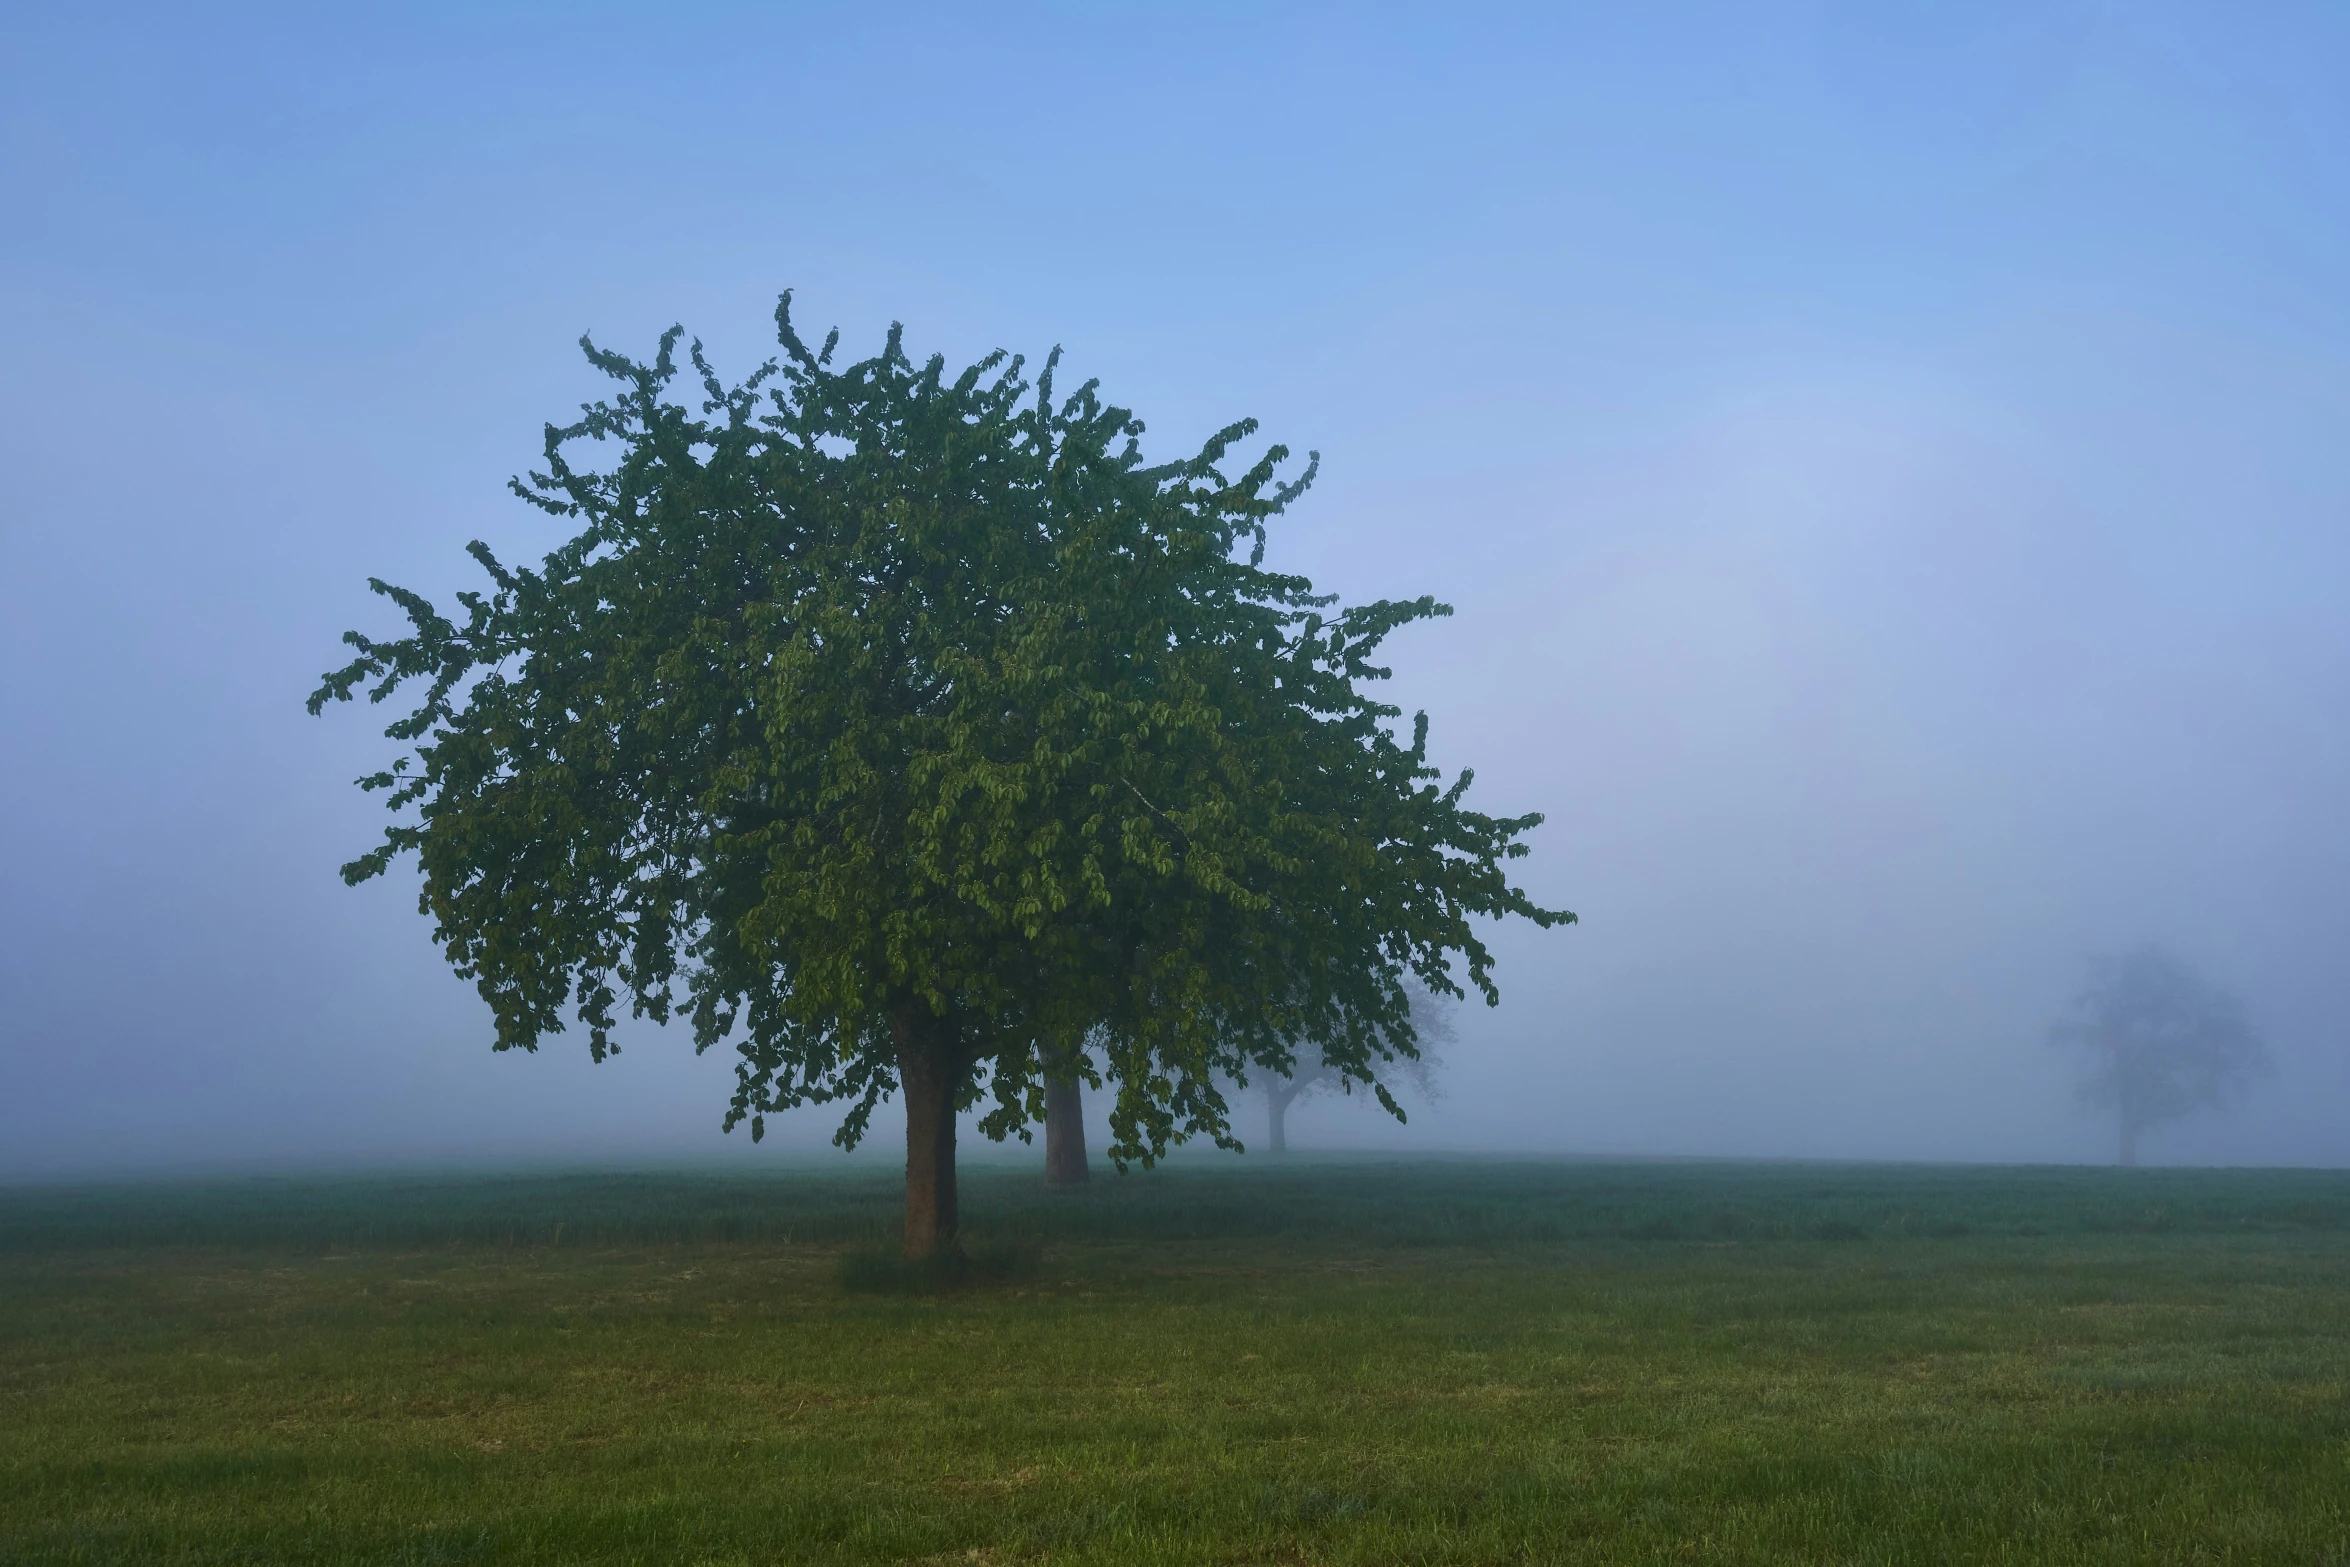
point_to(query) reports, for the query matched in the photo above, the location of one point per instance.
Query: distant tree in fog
(2159, 1042)
(1431, 1019)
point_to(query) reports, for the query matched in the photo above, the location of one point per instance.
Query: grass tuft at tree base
(882, 1269)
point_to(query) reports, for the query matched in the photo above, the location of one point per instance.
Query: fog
(1892, 480)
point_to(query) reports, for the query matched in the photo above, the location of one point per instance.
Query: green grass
(1220, 1362)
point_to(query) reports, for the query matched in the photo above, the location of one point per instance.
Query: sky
(1889, 464)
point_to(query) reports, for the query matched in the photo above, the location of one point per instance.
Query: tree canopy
(907, 731)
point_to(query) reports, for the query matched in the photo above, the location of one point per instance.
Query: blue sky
(1889, 462)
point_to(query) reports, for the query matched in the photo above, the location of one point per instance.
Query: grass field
(1220, 1362)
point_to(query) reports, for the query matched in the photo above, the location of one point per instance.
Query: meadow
(1320, 1360)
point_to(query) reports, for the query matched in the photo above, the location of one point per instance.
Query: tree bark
(930, 1072)
(1064, 1132)
(1277, 1118)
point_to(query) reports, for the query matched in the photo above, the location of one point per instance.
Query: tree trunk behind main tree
(1277, 1118)
(1064, 1132)
(930, 1072)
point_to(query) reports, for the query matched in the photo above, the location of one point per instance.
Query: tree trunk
(930, 1072)
(2129, 1140)
(1064, 1132)
(1276, 1118)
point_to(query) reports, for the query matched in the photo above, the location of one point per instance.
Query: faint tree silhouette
(1431, 1018)
(2158, 1040)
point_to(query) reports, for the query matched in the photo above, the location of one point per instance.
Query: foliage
(1433, 1027)
(872, 709)
(2159, 1041)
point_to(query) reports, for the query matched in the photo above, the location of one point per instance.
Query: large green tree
(913, 734)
